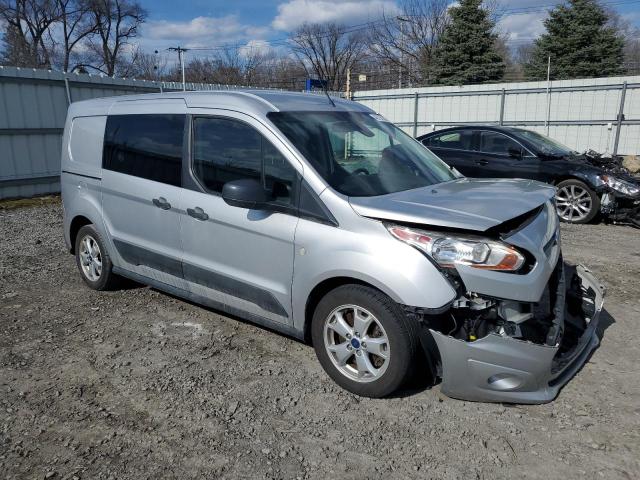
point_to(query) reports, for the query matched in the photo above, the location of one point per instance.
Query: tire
(390, 333)
(576, 202)
(90, 256)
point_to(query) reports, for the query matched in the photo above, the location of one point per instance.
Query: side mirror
(515, 153)
(245, 193)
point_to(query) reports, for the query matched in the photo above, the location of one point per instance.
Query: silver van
(320, 219)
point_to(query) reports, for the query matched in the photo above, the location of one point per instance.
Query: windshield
(361, 154)
(546, 145)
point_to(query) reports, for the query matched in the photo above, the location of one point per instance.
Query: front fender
(372, 256)
(589, 177)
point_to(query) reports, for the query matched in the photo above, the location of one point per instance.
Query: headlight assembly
(451, 250)
(619, 185)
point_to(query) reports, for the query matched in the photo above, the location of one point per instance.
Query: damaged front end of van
(499, 350)
(523, 321)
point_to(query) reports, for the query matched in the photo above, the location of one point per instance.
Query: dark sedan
(583, 189)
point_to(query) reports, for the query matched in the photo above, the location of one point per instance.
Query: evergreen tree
(14, 50)
(466, 52)
(580, 43)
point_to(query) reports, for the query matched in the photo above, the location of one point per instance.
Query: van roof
(248, 101)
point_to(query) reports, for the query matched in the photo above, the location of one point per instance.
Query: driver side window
(225, 149)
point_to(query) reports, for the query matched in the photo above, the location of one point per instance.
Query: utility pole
(348, 92)
(546, 123)
(180, 51)
(402, 21)
(156, 67)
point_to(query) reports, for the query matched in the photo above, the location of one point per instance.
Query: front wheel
(364, 341)
(576, 202)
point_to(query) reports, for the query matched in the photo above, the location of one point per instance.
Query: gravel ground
(137, 384)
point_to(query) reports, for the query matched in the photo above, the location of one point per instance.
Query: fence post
(415, 115)
(502, 99)
(620, 119)
(66, 86)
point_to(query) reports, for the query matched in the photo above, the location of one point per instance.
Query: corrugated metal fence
(601, 114)
(33, 108)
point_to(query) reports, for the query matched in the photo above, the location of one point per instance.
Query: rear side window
(460, 140)
(225, 149)
(85, 145)
(493, 142)
(146, 146)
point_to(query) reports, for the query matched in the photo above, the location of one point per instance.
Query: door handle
(161, 203)
(482, 162)
(197, 213)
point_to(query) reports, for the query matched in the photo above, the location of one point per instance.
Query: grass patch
(29, 202)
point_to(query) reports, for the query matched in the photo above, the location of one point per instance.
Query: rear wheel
(93, 260)
(364, 341)
(576, 202)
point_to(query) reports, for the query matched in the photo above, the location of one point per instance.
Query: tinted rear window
(458, 140)
(146, 146)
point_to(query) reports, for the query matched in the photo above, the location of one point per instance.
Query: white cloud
(522, 28)
(293, 13)
(200, 32)
(261, 47)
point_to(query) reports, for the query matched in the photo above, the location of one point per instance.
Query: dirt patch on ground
(136, 384)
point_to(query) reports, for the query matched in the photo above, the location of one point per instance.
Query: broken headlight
(619, 185)
(451, 250)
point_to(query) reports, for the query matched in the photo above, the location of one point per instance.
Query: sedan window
(460, 140)
(493, 142)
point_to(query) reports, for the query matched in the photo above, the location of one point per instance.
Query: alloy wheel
(573, 203)
(90, 258)
(357, 343)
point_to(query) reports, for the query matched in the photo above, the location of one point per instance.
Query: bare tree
(136, 63)
(281, 71)
(328, 51)
(77, 24)
(632, 54)
(407, 41)
(28, 21)
(513, 68)
(143, 65)
(232, 67)
(116, 23)
(253, 61)
(229, 66)
(631, 36)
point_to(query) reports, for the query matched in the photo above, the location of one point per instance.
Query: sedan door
(240, 259)
(500, 156)
(454, 147)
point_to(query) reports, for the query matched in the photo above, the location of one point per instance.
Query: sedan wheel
(576, 202)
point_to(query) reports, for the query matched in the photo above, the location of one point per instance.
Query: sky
(264, 24)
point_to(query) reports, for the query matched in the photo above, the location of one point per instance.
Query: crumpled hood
(466, 203)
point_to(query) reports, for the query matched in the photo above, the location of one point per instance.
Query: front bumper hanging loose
(498, 368)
